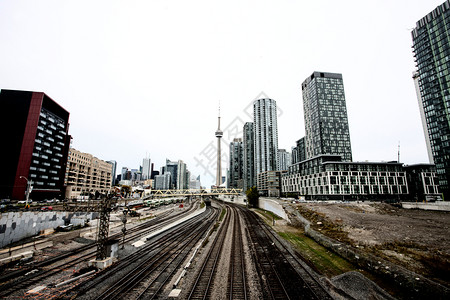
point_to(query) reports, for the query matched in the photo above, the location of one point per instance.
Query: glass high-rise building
(248, 144)
(284, 160)
(236, 164)
(325, 111)
(431, 48)
(266, 135)
(146, 168)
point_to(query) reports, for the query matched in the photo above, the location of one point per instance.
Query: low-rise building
(86, 174)
(269, 183)
(328, 177)
(423, 182)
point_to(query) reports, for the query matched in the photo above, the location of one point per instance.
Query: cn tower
(219, 134)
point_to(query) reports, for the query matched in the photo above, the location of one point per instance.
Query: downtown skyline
(137, 82)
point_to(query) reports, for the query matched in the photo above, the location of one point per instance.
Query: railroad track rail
(274, 263)
(203, 282)
(38, 272)
(237, 285)
(157, 261)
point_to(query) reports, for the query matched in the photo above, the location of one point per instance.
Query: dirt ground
(416, 239)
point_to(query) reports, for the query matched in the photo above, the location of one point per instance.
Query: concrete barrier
(273, 206)
(15, 226)
(9, 259)
(440, 206)
(241, 199)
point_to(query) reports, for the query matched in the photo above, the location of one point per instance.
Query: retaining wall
(273, 206)
(15, 226)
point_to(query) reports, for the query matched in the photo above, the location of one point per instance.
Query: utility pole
(103, 228)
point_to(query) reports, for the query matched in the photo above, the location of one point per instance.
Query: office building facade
(35, 147)
(265, 130)
(87, 175)
(163, 182)
(431, 43)
(328, 177)
(269, 183)
(325, 112)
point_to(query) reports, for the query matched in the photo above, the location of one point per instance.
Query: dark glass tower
(431, 48)
(236, 164)
(326, 122)
(249, 156)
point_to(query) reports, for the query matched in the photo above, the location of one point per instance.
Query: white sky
(147, 76)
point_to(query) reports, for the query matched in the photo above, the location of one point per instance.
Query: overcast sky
(146, 77)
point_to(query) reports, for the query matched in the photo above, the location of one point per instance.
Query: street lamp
(28, 191)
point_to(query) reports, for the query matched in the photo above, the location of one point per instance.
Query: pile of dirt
(415, 239)
(359, 287)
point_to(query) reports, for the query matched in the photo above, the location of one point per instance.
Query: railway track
(279, 278)
(201, 288)
(38, 272)
(237, 285)
(144, 273)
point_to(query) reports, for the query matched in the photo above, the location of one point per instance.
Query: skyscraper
(35, 145)
(236, 164)
(248, 144)
(146, 168)
(266, 134)
(430, 45)
(113, 172)
(325, 111)
(182, 181)
(172, 168)
(284, 160)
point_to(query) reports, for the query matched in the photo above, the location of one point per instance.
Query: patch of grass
(321, 259)
(202, 204)
(268, 215)
(216, 225)
(222, 214)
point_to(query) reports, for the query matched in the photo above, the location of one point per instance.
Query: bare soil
(416, 239)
